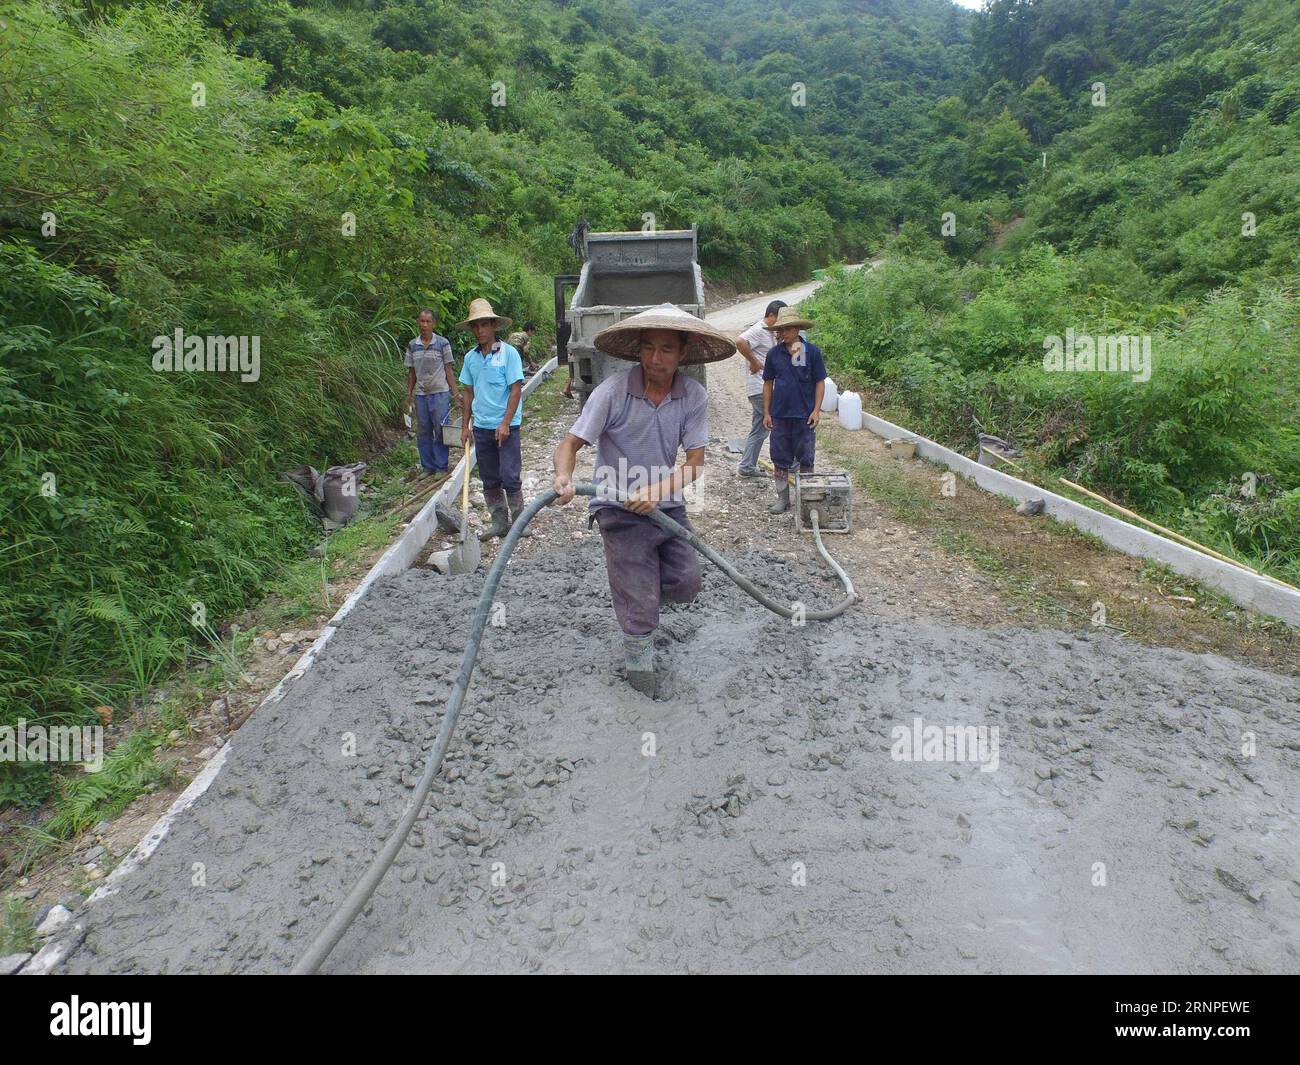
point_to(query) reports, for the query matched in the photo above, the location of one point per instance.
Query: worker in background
(753, 345)
(430, 391)
(492, 409)
(522, 342)
(563, 331)
(794, 378)
(639, 420)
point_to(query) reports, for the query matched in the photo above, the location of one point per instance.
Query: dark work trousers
(646, 562)
(499, 467)
(793, 442)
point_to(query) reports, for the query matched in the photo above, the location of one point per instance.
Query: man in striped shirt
(639, 419)
(430, 391)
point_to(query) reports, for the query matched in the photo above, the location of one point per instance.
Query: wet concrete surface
(772, 828)
(762, 814)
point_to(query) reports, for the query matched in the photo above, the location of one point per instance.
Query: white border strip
(398, 558)
(53, 952)
(1242, 587)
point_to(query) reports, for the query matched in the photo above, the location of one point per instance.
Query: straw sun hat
(706, 344)
(788, 316)
(480, 309)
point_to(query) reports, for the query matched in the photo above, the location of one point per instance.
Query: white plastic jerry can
(830, 397)
(850, 409)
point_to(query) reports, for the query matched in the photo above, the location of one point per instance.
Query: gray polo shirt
(637, 442)
(429, 362)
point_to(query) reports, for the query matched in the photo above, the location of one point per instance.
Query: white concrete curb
(1242, 587)
(399, 556)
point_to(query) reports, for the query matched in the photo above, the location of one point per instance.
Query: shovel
(465, 558)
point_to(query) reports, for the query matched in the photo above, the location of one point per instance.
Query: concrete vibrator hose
(327, 938)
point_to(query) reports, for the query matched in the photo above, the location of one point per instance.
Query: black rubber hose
(327, 938)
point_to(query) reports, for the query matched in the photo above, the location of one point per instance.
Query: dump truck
(622, 273)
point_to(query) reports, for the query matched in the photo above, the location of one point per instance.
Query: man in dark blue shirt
(794, 378)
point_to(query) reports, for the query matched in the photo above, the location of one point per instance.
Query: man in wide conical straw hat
(639, 419)
(492, 410)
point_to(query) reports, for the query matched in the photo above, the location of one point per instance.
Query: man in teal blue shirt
(492, 406)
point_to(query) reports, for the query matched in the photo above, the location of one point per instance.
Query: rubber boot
(496, 502)
(639, 662)
(516, 501)
(782, 503)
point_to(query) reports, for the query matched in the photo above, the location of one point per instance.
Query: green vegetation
(1169, 213)
(17, 933)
